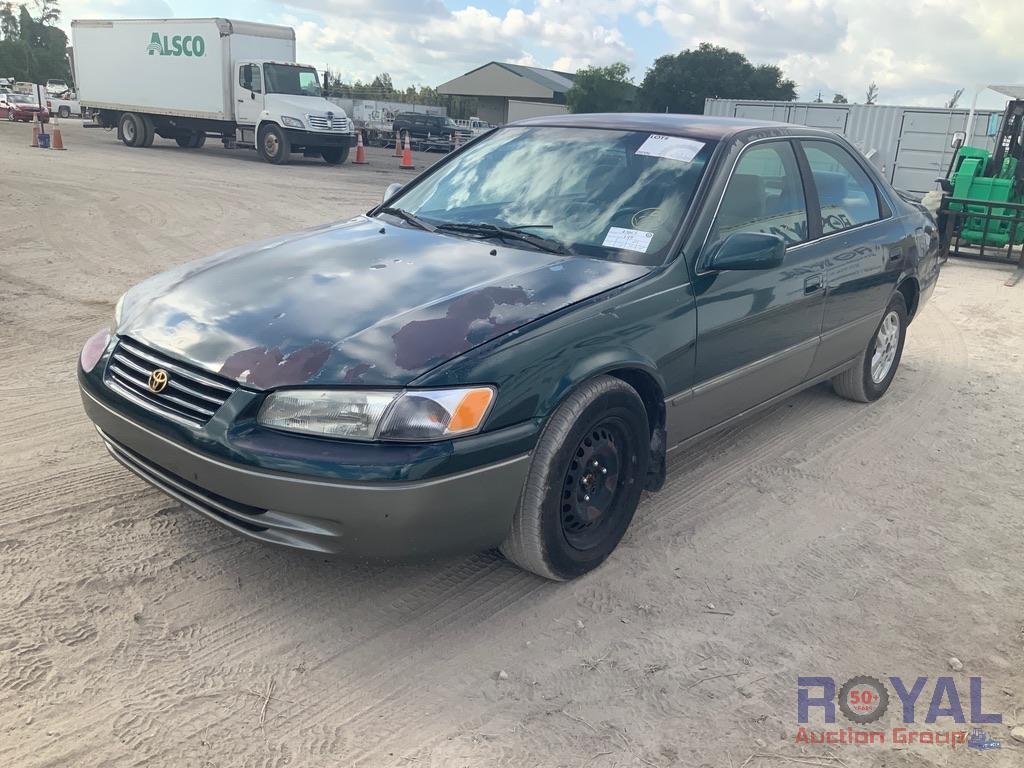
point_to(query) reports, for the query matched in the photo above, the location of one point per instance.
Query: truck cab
(280, 108)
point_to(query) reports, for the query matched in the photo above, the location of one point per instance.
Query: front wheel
(64, 113)
(334, 156)
(585, 479)
(869, 379)
(273, 145)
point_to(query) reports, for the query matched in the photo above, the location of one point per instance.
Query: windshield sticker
(628, 239)
(672, 147)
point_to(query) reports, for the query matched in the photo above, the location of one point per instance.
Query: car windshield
(291, 80)
(590, 192)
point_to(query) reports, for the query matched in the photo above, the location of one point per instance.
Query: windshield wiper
(411, 218)
(509, 233)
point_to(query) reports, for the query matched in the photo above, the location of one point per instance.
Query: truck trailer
(186, 79)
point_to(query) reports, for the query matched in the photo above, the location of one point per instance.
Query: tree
(951, 104)
(681, 82)
(839, 99)
(872, 94)
(8, 22)
(818, 99)
(601, 89)
(33, 50)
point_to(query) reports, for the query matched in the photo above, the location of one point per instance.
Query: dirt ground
(822, 538)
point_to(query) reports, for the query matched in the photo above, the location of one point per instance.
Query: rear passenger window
(847, 195)
(764, 195)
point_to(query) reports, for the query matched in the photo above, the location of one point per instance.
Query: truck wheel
(64, 113)
(131, 129)
(273, 145)
(584, 483)
(192, 140)
(871, 376)
(150, 132)
(334, 156)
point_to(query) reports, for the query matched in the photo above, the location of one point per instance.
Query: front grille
(337, 125)
(189, 397)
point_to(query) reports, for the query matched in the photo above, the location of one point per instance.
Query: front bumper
(458, 513)
(319, 139)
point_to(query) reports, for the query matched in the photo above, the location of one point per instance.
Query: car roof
(696, 126)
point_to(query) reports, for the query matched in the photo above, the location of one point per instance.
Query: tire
(335, 156)
(150, 135)
(602, 421)
(870, 377)
(64, 113)
(132, 129)
(273, 145)
(192, 140)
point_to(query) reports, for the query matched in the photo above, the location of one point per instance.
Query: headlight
(378, 414)
(117, 312)
(292, 122)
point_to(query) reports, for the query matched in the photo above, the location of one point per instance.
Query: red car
(22, 107)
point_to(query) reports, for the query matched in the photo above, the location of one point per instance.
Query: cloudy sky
(918, 52)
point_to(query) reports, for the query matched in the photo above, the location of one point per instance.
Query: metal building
(508, 92)
(912, 145)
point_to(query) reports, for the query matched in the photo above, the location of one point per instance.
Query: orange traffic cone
(360, 150)
(407, 156)
(398, 144)
(56, 141)
(35, 132)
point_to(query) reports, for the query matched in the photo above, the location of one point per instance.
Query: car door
(757, 330)
(248, 94)
(862, 246)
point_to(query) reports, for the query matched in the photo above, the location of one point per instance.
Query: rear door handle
(812, 284)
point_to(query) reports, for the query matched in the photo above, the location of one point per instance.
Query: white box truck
(186, 79)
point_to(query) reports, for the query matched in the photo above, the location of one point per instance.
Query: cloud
(918, 51)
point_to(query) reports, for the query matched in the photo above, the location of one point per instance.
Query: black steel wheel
(594, 483)
(586, 475)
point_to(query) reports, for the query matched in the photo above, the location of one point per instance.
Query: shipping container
(911, 145)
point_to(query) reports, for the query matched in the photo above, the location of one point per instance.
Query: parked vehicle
(57, 87)
(474, 125)
(188, 79)
(422, 127)
(503, 352)
(22, 108)
(64, 107)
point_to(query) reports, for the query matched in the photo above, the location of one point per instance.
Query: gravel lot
(822, 538)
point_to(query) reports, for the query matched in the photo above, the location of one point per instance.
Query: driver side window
(765, 195)
(250, 78)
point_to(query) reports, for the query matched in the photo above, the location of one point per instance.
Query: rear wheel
(131, 129)
(585, 480)
(869, 379)
(149, 132)
(273, 145)
(334, 156)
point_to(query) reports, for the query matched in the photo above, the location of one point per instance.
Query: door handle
(241, 101)
(895, 253)
(812, 284)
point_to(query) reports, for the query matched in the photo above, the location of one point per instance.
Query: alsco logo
(188, 45)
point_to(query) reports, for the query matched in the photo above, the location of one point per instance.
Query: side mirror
(748, 250)
(392, 190)
(959, 137)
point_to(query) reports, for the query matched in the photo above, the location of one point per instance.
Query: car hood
(362, 302)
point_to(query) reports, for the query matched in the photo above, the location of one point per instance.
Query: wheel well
(911, 292)
(654, 403)
(649, 391)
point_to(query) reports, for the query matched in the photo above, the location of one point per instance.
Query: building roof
(695, 126)
(496, 78)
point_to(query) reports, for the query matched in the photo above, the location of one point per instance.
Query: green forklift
(983, 193)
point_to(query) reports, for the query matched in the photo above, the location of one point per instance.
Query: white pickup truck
(186, 79)
(64, 105)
